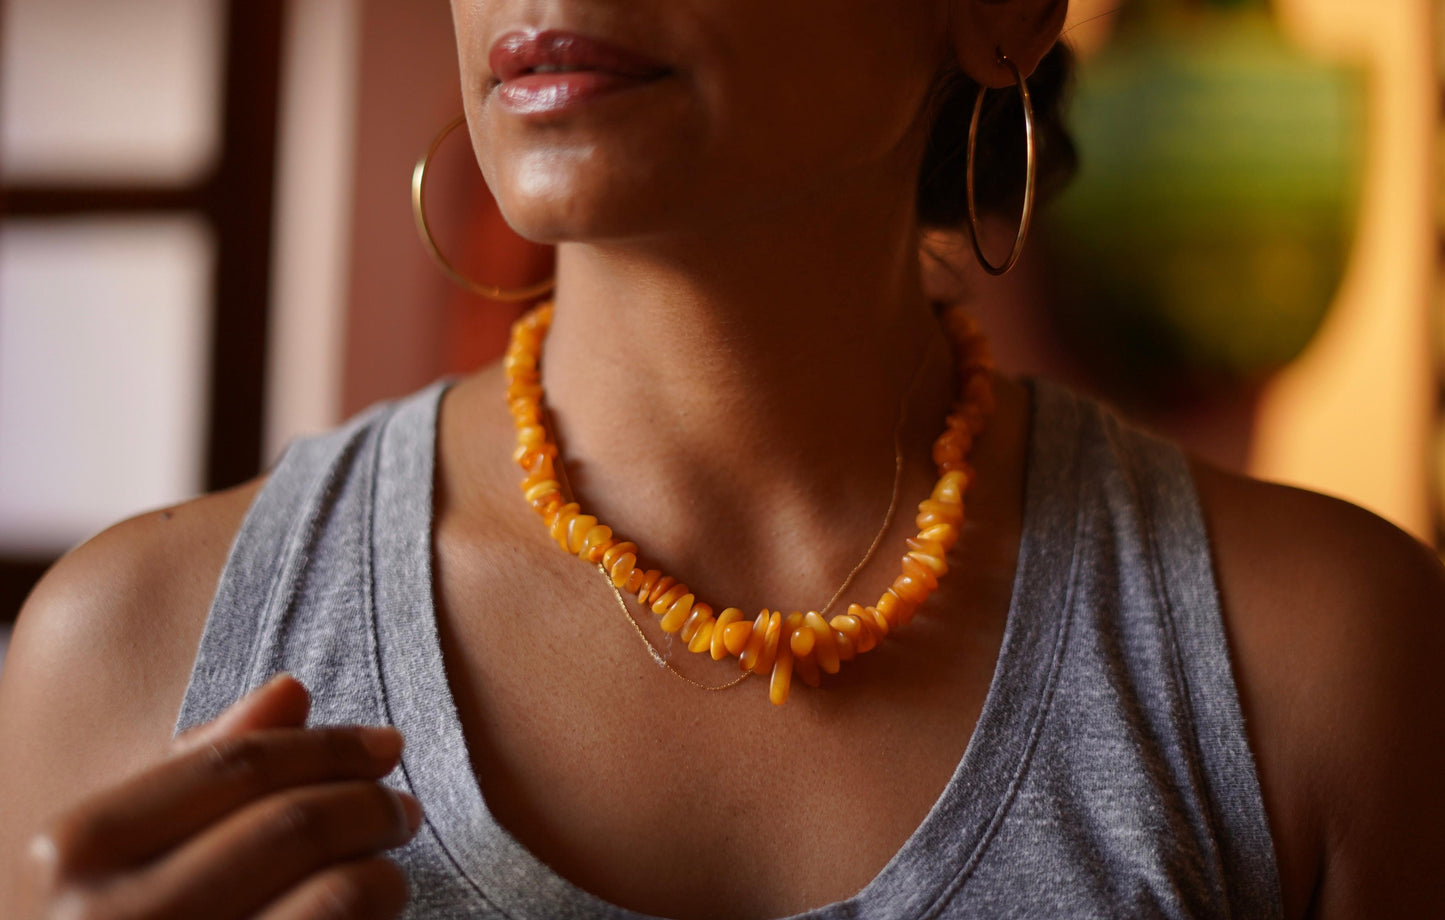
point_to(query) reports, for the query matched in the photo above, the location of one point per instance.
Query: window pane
(95, 90)
(104, 343)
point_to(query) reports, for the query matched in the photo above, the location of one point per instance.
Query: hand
(251, 815)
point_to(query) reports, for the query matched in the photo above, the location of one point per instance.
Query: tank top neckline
(937, 858)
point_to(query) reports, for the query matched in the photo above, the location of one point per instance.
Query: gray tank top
(1109, 774)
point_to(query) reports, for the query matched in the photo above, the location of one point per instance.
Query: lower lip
(556, 93)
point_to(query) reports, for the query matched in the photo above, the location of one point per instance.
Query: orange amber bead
(719, 648)
(645, 581)
(924, 545)
(749, 657)
(667, 598)
(567, 510)
(920, 573)
(547, 504)
(617, 550)
(524, 390)
(540, 466)
(634, 581)
(622, 568)
(950, 487)
(944, 534)
(772, 638)
(561, 523)
(701, 613)
(847, 624)
(599, 536)
(702, 639)
(893, 607)
(910, 589)
(949, 446)
(927, 519)
(871, 630)
(663, 584)
(577, 529)
(782, 678)
(934, 564)
(518, 357)
(527, 456)
(678, 612)
(847, 651)
(801, 641)
(825, 649)
(949, 512)
(737, 636)
(532, 436)
(959, 423)
(878, 621)
(538, 489)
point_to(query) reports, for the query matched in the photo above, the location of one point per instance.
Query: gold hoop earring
(418, 209)
(1031, 171)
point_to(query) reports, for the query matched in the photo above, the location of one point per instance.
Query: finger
(262, 851)
(281, 702)
(159, 809)
(368, 889)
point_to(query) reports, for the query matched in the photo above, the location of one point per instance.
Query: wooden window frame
(236, 200)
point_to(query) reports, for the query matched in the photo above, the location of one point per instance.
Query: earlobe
(1023, 30)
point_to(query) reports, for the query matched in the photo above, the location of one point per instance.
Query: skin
(708, 397)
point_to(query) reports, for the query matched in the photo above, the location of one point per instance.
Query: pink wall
(397, 301)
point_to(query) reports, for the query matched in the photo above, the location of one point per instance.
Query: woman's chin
(616, 214)
(553, 226)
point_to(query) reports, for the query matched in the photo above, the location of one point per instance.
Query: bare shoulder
(1336, 620)
(101, 655)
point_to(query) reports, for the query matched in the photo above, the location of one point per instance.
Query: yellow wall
(1352, 416)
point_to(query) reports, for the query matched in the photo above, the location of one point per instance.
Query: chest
(680, 802)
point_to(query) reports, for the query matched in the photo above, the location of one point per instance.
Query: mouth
(553, 70)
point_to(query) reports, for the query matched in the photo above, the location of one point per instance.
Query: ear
(1024, 30)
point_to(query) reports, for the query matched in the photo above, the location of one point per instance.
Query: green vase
(1205, 235)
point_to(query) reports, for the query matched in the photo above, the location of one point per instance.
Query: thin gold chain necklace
(802, 643)
(663, 661)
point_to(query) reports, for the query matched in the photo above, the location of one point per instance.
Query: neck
(784, 339)
(754, 376)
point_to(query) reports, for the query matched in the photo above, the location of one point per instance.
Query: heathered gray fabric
(1108, 776)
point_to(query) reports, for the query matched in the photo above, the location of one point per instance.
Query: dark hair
(999, 179)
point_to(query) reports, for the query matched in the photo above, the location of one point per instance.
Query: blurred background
(206, 246)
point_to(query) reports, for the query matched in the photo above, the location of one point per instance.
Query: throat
(777, 473)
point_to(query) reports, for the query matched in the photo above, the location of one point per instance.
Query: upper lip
(521, 52)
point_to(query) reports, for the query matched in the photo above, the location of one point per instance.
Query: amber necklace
(664, 661)
(773, 643)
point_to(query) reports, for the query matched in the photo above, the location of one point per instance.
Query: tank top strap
(272, 557)
(1174, 537)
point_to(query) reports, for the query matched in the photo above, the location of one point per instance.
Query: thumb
(281, 702)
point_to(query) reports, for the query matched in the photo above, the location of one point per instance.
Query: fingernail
(411, 810)
(382, 742)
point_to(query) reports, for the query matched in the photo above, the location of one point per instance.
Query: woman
(739, 324)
